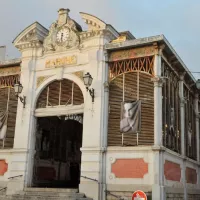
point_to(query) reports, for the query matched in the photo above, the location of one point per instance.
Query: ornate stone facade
(55, 60)
(63, 34)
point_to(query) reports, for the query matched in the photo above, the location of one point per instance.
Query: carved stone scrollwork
(48, 41)
(63, 34)
(79, 74)
(183, 101)
(31, 37)
(41, 79)
(158, 81)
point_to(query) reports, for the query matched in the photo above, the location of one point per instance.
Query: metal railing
(106, 191)
(15, 176)
(92, 179)
(116, 196)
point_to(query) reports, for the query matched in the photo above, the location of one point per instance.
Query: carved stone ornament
(41, 79)
(63, 34)
(79, 74)
(31, 37)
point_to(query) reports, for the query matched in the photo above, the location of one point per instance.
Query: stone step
(66, 190)
(47, 194)
(51, 192)
(21, 197)
(44, 198)
(51, 195)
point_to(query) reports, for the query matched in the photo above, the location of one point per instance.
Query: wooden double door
(57, 160)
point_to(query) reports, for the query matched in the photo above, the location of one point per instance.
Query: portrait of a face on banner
(130, 117)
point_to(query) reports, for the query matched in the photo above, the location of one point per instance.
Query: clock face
(63, 35)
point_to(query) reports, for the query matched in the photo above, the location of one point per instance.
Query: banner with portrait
(130, 117)
(3, 124)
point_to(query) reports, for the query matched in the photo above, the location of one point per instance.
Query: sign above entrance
(77, 118)
(59, 62)
(132, 53)
(139, 195)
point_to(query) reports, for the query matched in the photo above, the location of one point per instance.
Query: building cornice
(140, 42)
(11, 62)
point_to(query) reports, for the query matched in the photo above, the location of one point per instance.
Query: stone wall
(113, 195)
(193, 196)
(177, 196)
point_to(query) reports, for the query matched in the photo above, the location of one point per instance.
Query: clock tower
(63, 16)
(63, 34)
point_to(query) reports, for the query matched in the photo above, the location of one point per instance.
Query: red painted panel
(129, 168)
(191, 175)
(3, 167)
(172, 171)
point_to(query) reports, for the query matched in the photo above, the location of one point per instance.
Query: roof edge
(145, 41)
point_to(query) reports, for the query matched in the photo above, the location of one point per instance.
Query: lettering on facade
(77, 118)
(10, 71)
(132, 53)
(58, 62)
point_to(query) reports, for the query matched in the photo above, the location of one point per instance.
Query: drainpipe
(182, 109)
(104, 129)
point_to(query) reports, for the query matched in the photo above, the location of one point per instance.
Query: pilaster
(158, 186)
(158, 82)
(196, 103)
(182, 117)
(24, 130)
(182, 113)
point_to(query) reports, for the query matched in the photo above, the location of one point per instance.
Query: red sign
(139, 195)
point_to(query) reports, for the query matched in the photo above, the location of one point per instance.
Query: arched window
(60, 93)
(131, 80)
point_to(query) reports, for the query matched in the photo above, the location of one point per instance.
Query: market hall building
(100, 114)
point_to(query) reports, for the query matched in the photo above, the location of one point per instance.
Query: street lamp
(88, 81)
(18, 89)
(198, 84)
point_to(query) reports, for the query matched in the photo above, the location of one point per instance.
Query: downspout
(182, 112)
(106, 107)
(104, 129)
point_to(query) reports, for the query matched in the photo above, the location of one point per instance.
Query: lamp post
(18, 89)
(198, 84)
(88, 81)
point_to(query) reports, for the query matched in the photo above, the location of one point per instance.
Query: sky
(178, 20)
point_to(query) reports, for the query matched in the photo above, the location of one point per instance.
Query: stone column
(182, 112)
(95, 131)
(23, 143)
(157, 101)
(104, 132)
(158, 188)
(197, 124)
(182, 117)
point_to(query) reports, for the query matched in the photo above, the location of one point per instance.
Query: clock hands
(61, 37)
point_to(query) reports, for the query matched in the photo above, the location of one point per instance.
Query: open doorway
(57, 161)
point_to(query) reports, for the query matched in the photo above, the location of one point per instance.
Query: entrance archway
(57, 161)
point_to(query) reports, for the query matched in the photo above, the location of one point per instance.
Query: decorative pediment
(97, 27)
(63, 33)
(93, 22)
(32, 36)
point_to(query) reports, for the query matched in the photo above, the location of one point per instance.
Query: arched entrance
(59, 112)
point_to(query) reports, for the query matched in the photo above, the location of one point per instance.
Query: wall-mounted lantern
(18, 89)
(88, 81)
(198, 84)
